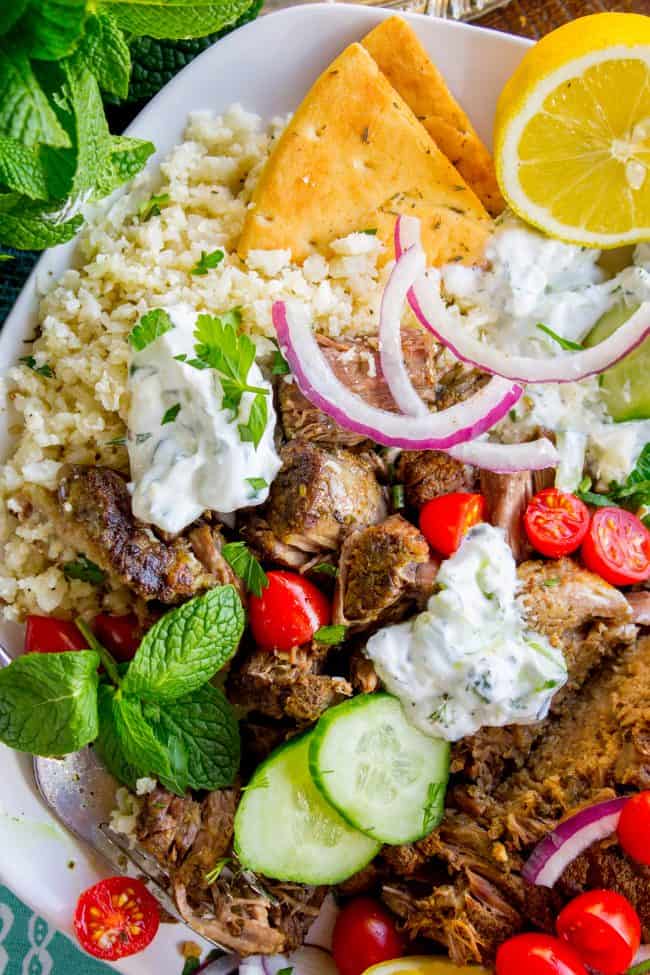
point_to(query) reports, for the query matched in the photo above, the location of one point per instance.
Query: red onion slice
(555, 852)
(435, 431)
(507, 458)
(321, 932)
(407, 270)
(446, 325)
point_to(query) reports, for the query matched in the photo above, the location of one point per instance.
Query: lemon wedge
(423, 965)
(572, 132)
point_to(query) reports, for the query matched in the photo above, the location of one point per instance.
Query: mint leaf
(10, 13)
(330, 635)
(21, 169)
(207, 262)
(150, 327)
(151, 207)
(84, 570)
(7, 257)
(108, 745)
(561, 341)
(27, 227)
(25, 112)
(50, 29)
(172, 19)
(29, 361)
(170, 415)
(106, 53)
(135, 748)
(187, 646)
(253, 430)
(128, 156)
(48, 702)
(89, 130)
(244, 564)
(204, 725)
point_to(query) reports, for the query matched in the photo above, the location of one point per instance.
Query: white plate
(267, 66)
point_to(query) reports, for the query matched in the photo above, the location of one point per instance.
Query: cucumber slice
(383, 775)
(284, 829)
(624, 387)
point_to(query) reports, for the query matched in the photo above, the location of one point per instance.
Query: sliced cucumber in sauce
(382, 774)
(625, 388)
(286, 830)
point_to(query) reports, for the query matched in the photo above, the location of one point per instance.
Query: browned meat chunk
(640, 604)
(237, 910)
(507, 496)
(279, 687)
(576, 610)
(363, 675)
(427, 474)
(384, 571)
(94, 507)
(314, 500)
(439, 382)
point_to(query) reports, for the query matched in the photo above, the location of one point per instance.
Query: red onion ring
(408, 268)
(435, 431)
(558, 849)
(433, 314)
(506, 458)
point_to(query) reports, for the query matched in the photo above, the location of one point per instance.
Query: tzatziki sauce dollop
(196, 459)
(469, 660)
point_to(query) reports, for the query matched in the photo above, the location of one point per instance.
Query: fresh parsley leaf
(326, 568)
(330, 635)
(220, 347)
(207, 262)
(257, 483)
(150, 327)
(105, 51)
(30, 362)
(279, 365)
(286, 971)
(245, 566)
(253, 430)
(213, 875)
(48, 702)
(434, 806)
(84, 570)
(633, 494)
(187, 646)
(171, 414)
(561, 341)
(151, 207)
(204, 726)
(181, 358)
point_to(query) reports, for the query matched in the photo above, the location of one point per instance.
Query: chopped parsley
(44, 370)
(633, 494)
(286, 971)
(84, 570)
(257, 483)
(279, 365)
(116, 442)
(253, 430)
(397, 496)
(371, 231)
(150, 327)
(551, 582)
(330, 635)
(561, 341)
(171, 414)
(142, 437)
(207, 262)
(326, 568)
(213, 875)
(245, 565)
(151, 207)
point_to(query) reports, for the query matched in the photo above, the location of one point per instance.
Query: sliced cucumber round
(624, 387)
(285, 830)
(383, 775)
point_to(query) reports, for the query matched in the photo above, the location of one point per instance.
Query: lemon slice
(572, 132)
(423, 965)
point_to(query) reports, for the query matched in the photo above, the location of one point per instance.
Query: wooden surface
(534, 18)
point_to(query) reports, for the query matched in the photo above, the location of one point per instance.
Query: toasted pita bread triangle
(354, 157)
(395, 47)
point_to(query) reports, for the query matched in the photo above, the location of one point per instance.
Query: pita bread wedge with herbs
(353, 158)
(396, 49)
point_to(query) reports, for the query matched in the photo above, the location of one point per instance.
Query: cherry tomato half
(537, 954)
(115, 918)
(47, 634)
(617, 547)
(445, 520)
(120, 635)
(364, 935)
(288, 612)
(556, 522)
(604, 929)
(634, 828)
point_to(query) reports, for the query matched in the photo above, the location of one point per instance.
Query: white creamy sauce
(198, 461)
(534, 279)
(469, 660)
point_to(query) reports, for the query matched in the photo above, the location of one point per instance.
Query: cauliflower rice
(124, 267)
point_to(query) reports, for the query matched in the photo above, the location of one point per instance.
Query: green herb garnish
(150, 327)
(116, 442)
(244, 564)
(633, 494)
(326, 568)
(397, 496)
(434, 806)
(151, 207)
(190, 966)
(371, 231)
(7, 257)
(30, 362)
(213, 875)
(257, 483)
(170, 415)
(561, 341)
(330, 635)
(279, 365)
(84, 570)
(253, 430)
(207, 262)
